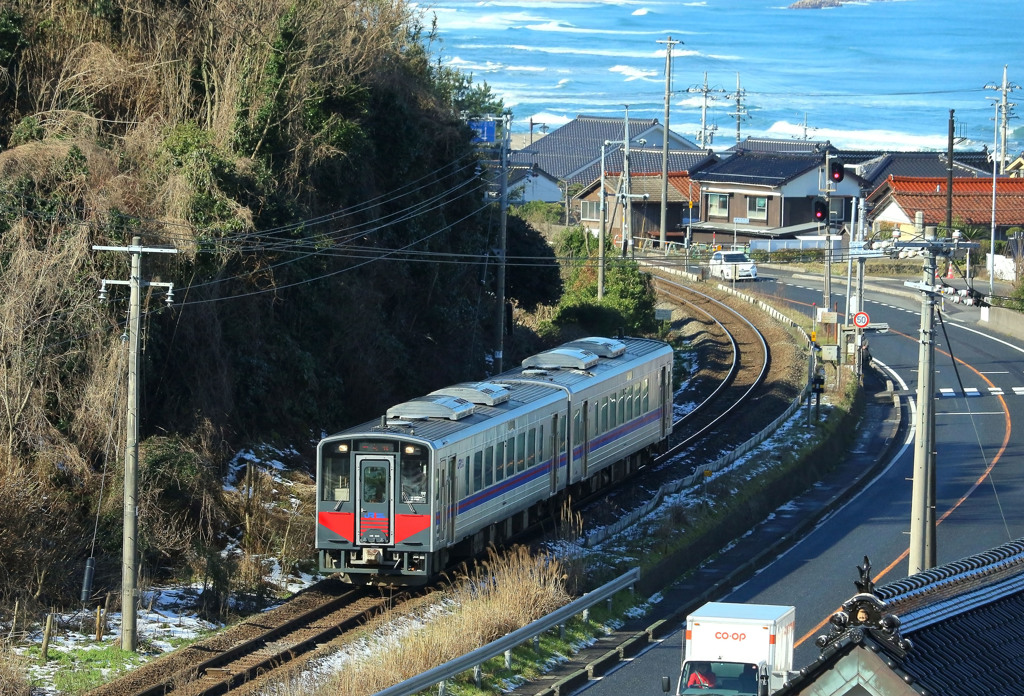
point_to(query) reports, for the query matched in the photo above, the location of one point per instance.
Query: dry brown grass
(504, 593)
(13, 673)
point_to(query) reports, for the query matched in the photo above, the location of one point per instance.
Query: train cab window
(414, 481)
(375, 482)
(336, 478)
(521, 452)
(478, 471)
(531, 447)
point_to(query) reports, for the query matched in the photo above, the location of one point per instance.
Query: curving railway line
(735, 367)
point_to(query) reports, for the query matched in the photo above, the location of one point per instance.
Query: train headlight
(409, 449)
(343, 447)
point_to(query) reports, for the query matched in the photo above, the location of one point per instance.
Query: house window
(718, 205)
(590, 210)
(757, 207)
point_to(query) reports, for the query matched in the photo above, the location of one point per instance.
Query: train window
(336, 479)
(531, 447)
(561, 437)
(577, 427)
(604, 415)
(521, 452)
(375, 482)
(645, 398)
(499, 461)
(414, 480)
(488, 471)
(613, 411)
(510, 456)
(622, 406)
(478, 471)
(489, 463)
(542, 445)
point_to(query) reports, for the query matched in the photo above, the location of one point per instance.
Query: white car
(732, 265)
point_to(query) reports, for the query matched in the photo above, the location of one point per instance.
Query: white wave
(870, 139)
(526, 68)
(581, 51)
(641, 12)
(632, 73)
(564, 28)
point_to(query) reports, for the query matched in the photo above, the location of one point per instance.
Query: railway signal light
(820, 210)
(836, 171)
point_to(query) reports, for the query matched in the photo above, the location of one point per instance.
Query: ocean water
(873, 74)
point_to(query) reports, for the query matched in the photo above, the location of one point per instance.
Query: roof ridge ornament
(864, 613)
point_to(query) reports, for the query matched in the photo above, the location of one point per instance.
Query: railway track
(749, 360)
(235, 661)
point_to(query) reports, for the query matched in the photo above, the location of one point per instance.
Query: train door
(449, 501)
(374, 521)
(585, 443)
(665, 396)
(557, 445)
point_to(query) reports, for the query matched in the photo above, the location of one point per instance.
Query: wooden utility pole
(129, 572)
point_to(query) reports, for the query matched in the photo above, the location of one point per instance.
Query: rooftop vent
(575, 358)
(605, 347)
(484, 393)
(432, 406)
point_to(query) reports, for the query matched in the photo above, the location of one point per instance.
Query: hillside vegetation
(309, 162)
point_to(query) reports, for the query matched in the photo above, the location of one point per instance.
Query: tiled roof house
(952, 630)
(773, 191)
(897, 200)
(572, 154)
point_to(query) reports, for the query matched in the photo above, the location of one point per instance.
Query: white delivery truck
(736, 649)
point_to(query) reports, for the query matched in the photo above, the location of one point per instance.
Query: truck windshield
(733, 678)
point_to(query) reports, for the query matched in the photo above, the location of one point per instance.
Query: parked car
(732, 265)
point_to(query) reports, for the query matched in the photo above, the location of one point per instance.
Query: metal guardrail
(505, 644)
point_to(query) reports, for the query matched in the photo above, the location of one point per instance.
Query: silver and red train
(440, 477)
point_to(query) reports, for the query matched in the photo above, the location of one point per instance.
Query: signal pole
(129, 636)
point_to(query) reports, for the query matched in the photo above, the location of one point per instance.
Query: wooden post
(46, 636)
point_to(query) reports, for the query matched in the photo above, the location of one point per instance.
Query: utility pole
(664, 146)
(627, 218)
(741, 111)
(1006, 108)
(827, 295)
(922, 500)
(706, 134)
(506, 134)
(129, 572)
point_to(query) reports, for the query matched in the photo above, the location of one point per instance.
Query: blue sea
(873, 74)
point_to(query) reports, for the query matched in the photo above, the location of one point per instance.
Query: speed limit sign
(861, 319)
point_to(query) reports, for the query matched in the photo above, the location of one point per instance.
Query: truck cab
(732, 265)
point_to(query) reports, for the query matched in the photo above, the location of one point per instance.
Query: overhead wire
(974, 425)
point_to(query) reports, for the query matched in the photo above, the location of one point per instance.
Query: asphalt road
(980, 475)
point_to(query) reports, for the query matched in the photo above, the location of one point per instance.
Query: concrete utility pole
(741, 110)
(706, 134)
(922, 500)
(664, 145)
(627, 217)
(506, 135)
(129, 573)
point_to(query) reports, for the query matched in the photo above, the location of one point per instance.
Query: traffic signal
(836, 171)
(820, 210)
